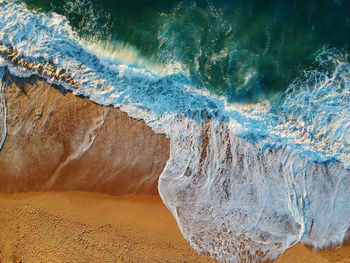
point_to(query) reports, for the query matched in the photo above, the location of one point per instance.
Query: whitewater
(244, 181)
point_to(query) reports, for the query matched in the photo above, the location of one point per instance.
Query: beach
(89, 227)
(81, 174)
(79, 204)
(85, 227)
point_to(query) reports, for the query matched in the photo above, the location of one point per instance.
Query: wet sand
(88, 227)
(57, 141)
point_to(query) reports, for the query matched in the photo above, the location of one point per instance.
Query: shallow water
(255, 100)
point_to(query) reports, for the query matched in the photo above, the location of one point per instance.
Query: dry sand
(81, 143)
(87, 227)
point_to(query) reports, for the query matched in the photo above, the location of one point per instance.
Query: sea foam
(244, 183)
(3, 110)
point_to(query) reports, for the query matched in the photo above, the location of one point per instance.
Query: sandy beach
(88, 227)
(146, 131)
(75, 226)
(85, 227)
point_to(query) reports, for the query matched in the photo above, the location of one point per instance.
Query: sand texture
(58, 141)
(86, 227)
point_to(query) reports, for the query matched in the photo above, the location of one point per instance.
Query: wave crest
(244, 183)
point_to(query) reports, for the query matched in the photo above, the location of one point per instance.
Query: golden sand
(86, 227)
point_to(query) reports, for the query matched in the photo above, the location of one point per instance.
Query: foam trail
(3, 110)
(244, 183)
(247, 199)
(316, 110)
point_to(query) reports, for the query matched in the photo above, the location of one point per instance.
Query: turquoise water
(245, 181)
(247, 51)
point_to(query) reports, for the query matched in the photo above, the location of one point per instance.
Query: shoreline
(57, 141)
(43, 221)
(93, 227)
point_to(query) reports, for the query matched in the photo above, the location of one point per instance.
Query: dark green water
(246, 50)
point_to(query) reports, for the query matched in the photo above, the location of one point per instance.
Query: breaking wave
(244, 181)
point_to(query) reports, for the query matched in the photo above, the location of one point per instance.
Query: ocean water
(253, 95)
(263, 46)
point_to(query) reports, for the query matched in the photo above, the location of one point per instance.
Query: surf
(244, 182)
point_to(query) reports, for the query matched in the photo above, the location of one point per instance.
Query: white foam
(316, 111)
(233, 194)
(239, 178)
(120, 53)
(3, 109)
